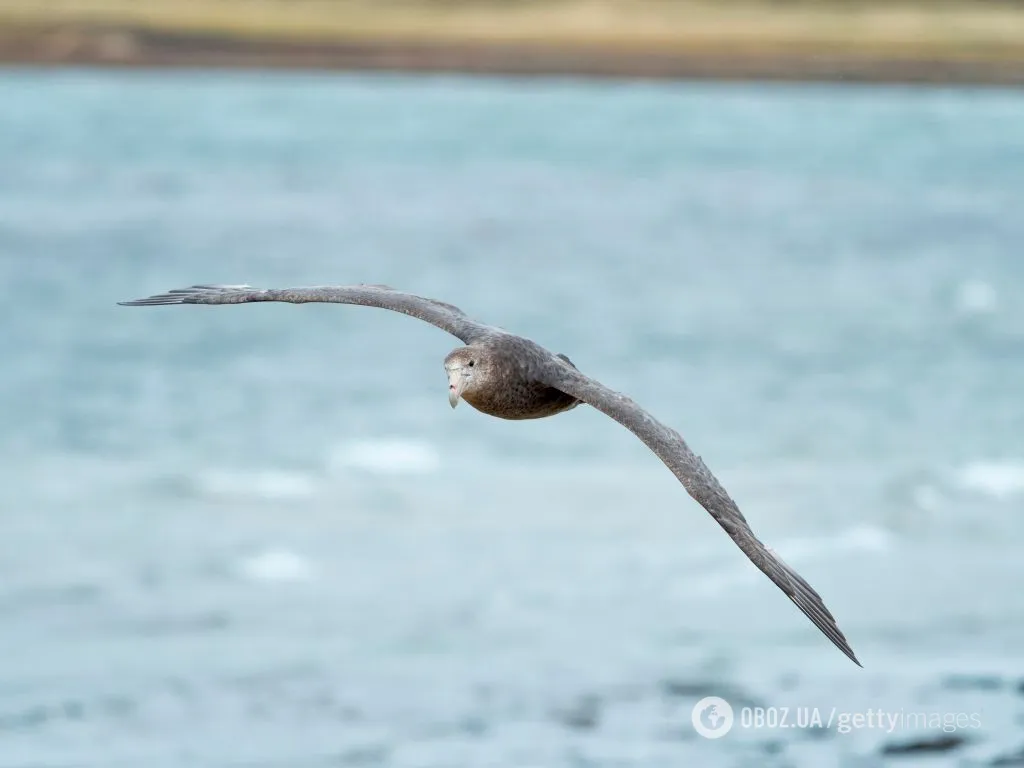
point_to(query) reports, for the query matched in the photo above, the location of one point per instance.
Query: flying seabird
(511, 377)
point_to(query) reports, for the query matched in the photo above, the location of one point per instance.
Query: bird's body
(511, 377)
(511, 370)
(524, 399)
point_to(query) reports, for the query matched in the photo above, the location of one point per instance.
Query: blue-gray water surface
(258, 536)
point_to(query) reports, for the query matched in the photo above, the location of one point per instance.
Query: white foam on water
(266, 484)
(276, 565)
(927, 498)
(860, 538)
(794, 551)
(976, 297)
(998, 479)
(387, 456)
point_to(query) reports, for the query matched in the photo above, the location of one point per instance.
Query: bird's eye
(472, 363)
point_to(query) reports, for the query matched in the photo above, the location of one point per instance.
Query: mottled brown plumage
(512, 377)
(496, 383)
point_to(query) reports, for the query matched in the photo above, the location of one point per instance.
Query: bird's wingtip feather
(181, 295)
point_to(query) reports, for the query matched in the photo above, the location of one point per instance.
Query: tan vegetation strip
(870, 28)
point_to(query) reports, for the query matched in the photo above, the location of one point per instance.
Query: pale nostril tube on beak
(456, 385)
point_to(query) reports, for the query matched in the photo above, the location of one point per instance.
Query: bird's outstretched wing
(702, 485)
(445, 316)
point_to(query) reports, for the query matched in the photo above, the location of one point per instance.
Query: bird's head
(467, 369)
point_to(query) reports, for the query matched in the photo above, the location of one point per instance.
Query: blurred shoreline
(947, 43)
(136, 48)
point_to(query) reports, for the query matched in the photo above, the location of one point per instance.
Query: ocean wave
(387, 456)
(45, 714)
(976, 297)
(861, 538)
(926, 497)
(276, 565)
(998, 479)
(267, 484)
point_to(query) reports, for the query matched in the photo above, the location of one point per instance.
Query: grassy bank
(961, 33)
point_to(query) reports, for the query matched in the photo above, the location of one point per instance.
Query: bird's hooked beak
(458, 378)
